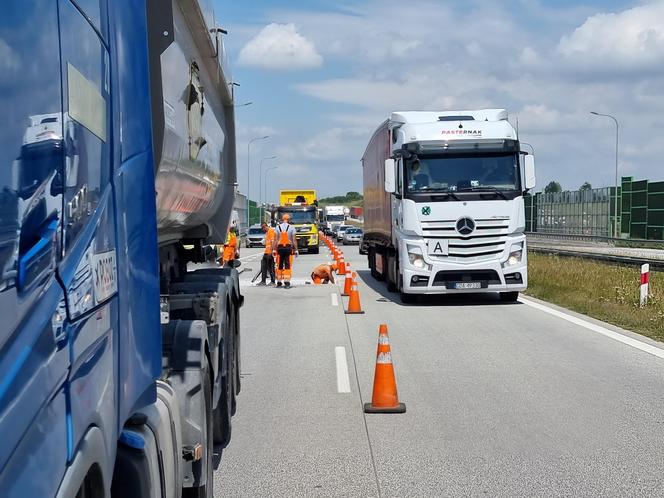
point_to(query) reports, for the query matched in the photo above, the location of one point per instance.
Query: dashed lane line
(343, 380)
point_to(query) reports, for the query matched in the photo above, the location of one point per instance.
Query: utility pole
(615, 207)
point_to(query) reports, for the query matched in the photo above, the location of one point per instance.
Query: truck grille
(486, 242)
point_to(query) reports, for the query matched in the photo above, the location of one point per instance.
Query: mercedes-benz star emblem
(465, 226)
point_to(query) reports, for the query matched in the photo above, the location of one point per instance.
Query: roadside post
(645, 284)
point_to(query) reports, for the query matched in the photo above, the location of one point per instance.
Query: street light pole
(265, 182)
(249, 170)
(260, 186)
(615, 207)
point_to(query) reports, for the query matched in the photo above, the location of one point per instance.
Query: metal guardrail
(655, 264)
(612, 241)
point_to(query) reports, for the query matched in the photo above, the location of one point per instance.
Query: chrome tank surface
(196, 175)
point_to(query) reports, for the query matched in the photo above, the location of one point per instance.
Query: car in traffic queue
(352, 235)
(255, 236)
(340, 232)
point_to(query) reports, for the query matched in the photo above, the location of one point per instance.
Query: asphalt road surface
(519, 399)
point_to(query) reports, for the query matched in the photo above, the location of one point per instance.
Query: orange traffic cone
(350, 277)
(354, 300)
(342, 266)
(385, 398)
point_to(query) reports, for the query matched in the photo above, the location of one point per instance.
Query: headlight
(515, 255)
(416, 258)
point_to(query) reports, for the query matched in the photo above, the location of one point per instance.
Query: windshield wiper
(491, 189)
(437, 193)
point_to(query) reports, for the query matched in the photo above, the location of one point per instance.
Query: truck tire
(206, 491)
(392, 272)
(223, 412)
(236, 359)
(509, 297)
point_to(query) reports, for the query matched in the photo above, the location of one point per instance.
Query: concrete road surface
(502, 399)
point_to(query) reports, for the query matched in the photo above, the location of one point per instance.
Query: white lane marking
(335, 299)
(343, 381)
(597, 328)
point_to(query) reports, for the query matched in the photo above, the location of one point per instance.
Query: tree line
(349, 198)
(554, 186)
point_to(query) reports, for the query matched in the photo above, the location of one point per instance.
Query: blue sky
(322, 75)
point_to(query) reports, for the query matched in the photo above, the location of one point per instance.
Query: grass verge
(600, 290)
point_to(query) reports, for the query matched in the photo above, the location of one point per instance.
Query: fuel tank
(193, 122)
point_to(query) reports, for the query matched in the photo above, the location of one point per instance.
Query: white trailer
(443, 203)
(334, 217)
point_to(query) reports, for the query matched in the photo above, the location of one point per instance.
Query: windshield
(353, 230)
(343, 228)
(335, 217)
(299, 217)
(255, 231)
(463, 172)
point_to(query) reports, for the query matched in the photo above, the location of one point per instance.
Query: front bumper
(492, 275)
(307, 239)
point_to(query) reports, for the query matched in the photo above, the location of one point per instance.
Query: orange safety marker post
(342, 266)
(350, 278)
(385, 398)
(354, 307)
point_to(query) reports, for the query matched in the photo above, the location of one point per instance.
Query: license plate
(467, 285)
(438, 247)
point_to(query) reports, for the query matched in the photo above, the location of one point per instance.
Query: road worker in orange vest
(286, 246)
(230, 251)
(267, 263)
(323, 274)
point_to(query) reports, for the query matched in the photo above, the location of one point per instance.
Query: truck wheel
(372, 257)
(206, 491)
(238, 362)
(235, 388)
(509, 297)
(222, 414)
(392, 273)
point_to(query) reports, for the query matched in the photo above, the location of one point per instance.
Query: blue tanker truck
(119, 347)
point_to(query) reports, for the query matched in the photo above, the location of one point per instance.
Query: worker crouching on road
(285, 246)
(267, 263)
(323, 274)
(230, 251)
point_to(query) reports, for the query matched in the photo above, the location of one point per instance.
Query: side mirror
(529, 172)
(237, 263)
(390, 176)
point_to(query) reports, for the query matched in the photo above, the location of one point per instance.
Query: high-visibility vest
(230, 247)
(270, 237)
(284, 241)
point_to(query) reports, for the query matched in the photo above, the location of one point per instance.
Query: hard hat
(286, 217)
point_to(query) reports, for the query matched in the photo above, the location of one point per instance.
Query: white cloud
(629, 40)
(9, 62)
(280, 47)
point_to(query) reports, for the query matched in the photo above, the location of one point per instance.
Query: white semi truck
(334, 217)
(443, 203)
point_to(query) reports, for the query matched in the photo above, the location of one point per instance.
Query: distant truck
(302, 206)
(333, 217)
(443, 203)
(356, 212)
